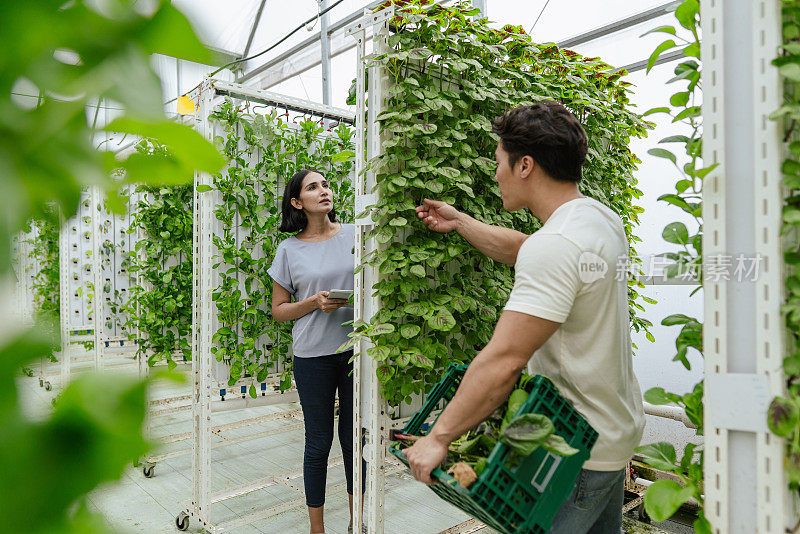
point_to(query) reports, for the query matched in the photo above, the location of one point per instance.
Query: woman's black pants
(317, 381)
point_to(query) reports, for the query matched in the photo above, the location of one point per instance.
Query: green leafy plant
(159, 306)
(448, 76)
(664, 497)
(782, 413)
(264, 151)
(71, 55)
(101, 54)
(46, 280)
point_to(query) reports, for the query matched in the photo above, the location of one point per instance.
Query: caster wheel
(182, 521)
(41, 383)
(644, 517)
(148, 470)
(47, 386)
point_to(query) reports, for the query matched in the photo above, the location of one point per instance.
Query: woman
(318, 258)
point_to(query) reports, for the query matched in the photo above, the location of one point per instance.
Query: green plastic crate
(524, 498)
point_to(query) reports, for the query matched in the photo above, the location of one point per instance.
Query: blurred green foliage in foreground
(72, 54)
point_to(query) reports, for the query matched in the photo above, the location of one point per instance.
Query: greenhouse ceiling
(239, 29)
(276, 44)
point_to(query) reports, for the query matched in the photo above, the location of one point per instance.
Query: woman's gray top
(305, 269)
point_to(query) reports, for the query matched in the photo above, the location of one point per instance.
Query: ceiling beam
(619, 25)
(299, 59)
(220, 56)
(314, 39)
(664, 58)
(253, 29)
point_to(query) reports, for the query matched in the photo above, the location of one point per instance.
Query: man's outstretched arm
(500, 244)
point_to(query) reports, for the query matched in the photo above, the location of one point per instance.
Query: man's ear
(296, 203)
(527, 165)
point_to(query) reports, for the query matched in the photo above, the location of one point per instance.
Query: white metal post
(64, 307)
(745, 488)
(359, 293)
(325, 50)
(97, 277)
(201, 325)
(376, 412)
(369, 407)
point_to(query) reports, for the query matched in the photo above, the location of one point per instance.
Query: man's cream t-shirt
(567, 273)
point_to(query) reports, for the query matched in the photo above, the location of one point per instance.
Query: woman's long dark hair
(292, 219)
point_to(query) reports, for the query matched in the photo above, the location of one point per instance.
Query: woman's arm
(283, 309)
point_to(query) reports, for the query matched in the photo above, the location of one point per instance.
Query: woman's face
(315, 195)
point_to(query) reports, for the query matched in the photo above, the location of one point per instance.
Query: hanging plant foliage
(46, 285)
(449, 75)
(782, 415)
(264, 151)
(159, 306)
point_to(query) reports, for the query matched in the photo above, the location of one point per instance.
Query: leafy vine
(159, 306)
(449, 75)
(784, 413)
(263, 151)
(46, 280)
(664, 497)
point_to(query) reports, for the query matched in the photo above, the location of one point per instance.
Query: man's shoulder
(545, 244)
(589, 224)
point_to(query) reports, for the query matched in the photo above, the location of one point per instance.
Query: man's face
(508, 183)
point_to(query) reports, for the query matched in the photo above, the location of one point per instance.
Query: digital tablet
(340, 293)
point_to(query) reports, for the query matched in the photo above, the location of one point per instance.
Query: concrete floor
(139, 504)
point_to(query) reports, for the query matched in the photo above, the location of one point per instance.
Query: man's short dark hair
(547, 132)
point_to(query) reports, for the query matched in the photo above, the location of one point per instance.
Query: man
(567, 315)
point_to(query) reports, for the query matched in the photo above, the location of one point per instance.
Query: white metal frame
(745, 486)
(235, 394)
(113, 228)
(205, 386)
(74, 256)
(369, 406)
(80, 266)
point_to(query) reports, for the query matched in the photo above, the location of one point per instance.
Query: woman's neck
(319, 226)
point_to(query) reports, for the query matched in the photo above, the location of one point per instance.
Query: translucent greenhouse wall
(653, 362)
